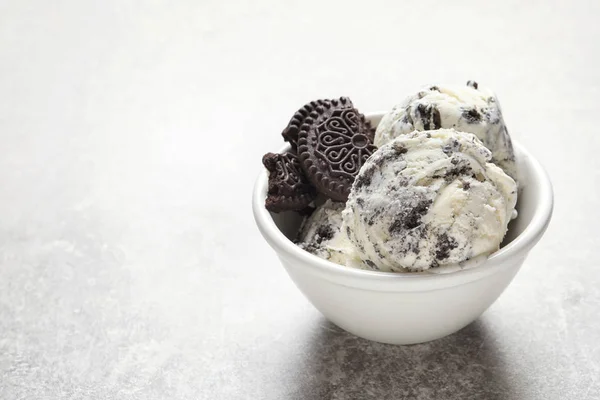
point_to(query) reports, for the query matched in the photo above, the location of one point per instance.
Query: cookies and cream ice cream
(428, 199)
(470, 108)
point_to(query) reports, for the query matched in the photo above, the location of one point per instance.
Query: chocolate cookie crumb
(472, 116)
(430, 117)
(472, 84)
(444, 246)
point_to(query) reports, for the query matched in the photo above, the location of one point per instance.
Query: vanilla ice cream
(468, 108)
(428, 199)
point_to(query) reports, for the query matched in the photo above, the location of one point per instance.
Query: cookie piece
(333, 145)
(288, 189)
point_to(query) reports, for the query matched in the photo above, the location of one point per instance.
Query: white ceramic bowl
(409, 308)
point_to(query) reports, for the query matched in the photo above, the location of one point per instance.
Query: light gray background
(130, 136)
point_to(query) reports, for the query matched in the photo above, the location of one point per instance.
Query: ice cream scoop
(468, 108)
(428, 199)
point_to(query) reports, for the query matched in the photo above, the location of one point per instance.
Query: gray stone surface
(129, 271)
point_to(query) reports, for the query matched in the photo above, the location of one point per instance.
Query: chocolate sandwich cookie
(288, 189)
(308, 113)
(333, 143)
(302, 116)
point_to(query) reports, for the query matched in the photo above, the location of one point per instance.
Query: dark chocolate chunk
(471, 115)
(288, 189)
(324, 232)
(429, 116)
(333, 147)
(472, 84)
(445, 245)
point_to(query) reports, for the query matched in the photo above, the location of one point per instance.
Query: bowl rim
(517, 248)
